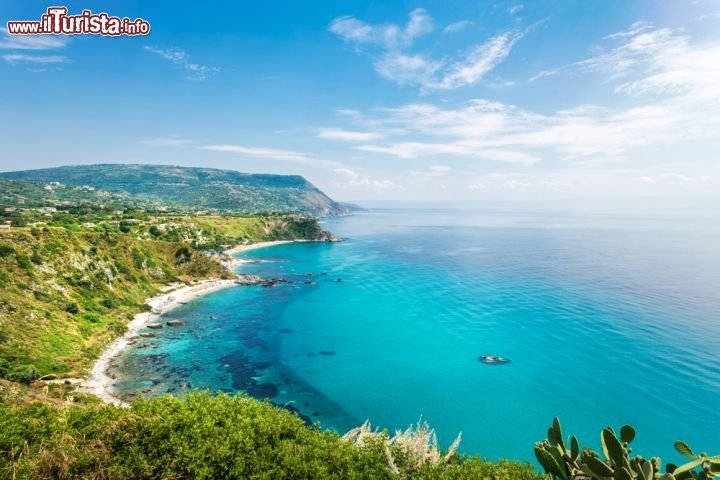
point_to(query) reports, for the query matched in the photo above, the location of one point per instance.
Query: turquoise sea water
(606, 319)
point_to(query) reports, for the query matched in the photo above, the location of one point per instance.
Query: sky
(403, 100)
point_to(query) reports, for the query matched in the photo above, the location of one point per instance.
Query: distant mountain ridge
(194, 188)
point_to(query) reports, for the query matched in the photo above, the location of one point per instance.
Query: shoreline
(99, 383)
(255, 246)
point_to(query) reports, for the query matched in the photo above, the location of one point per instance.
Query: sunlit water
(606, 320)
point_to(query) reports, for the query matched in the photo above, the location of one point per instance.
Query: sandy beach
(99, 382)
(253, 246)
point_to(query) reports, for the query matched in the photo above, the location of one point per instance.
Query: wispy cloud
(269, 154)
(179, 57)
(515, 8)
(396, 63)
(674, 178)
(458, 26)
(15, 58)
(389, 36)
(30, 42)
(669, 82)
(347, 135)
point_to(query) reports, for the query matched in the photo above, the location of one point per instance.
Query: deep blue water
(606, 319)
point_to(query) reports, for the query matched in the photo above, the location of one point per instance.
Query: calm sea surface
(606, 320)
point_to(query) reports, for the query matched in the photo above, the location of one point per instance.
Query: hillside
(64, 295)
(194, 188)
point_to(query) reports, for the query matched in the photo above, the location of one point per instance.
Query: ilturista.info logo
(56, 21)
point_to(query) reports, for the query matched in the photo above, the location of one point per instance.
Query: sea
(606, 320)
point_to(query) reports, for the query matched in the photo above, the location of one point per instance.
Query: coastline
(99, 383)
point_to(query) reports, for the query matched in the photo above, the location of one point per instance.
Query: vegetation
(194, 189)
(202, 436)
(65, 295)
(562, 463)
(66, 292)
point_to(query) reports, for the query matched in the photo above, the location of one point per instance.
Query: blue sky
(465, 100)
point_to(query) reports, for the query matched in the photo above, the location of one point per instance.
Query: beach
(254, 246)
(99, 382)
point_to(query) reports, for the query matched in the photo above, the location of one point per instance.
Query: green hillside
(65, 295)
(194, 188)
(17, 193)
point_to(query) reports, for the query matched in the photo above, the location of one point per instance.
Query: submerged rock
(154, 325)
(175, 323)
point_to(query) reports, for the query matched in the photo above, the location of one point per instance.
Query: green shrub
(25, 374)
(73, 308)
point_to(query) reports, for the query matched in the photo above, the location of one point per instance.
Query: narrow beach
(99, 383)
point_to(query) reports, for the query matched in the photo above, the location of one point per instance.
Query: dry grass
(417, 445)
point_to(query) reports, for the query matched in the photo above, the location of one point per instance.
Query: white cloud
(270, 154)
(30, 42)
(672, 178)
(394, 62)
(515, 8)
(667, 88)
(636, 28)
(477, 186)
(479, 61)
(348, 178)
(13, 59)
(440, 168)
(180, 58)
(389, 36)
(260, 152)
(347, 135)
(458, 26)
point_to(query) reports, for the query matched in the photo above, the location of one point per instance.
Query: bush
(73, 308)
(25, 374)
(201, 436)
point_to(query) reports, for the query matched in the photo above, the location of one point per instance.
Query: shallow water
(606, 320)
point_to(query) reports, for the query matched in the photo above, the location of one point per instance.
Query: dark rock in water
(339, 280)
(327, 352)
(147, 334)
(316, 414)
(271, 282)
(175, 323)
(308, 282)
(213, 317)
(311, 354)
(263, 390)
(154, 325)
(285, 330)
(493, 360)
